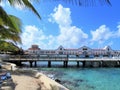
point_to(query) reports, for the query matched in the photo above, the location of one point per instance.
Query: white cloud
(118, 32)
(101, 34)
(34, 35)
(70, 36)
(61, 16)
(2, 4)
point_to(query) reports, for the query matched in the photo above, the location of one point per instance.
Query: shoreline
(30, 79)
(34, 80)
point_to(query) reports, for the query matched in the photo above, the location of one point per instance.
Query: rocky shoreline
(25, 79)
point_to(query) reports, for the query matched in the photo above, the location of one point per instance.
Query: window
(60, 52)
(84, 48)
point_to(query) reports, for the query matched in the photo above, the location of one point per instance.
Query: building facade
(82, 52)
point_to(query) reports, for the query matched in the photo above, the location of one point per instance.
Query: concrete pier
(86, 62)
(35, 63)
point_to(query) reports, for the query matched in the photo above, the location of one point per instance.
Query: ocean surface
(85, 78)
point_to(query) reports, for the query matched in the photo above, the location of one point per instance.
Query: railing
(94, 59)
(56, 57)
(36, 57)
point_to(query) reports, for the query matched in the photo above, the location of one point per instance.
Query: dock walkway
(85, 62)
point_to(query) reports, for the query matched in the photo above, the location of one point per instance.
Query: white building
(82, 52)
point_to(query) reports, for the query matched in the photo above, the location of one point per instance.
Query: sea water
(87, 78)
(83, 78)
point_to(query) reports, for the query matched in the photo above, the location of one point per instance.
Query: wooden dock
(85, 62)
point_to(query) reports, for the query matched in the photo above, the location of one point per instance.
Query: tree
(10, 26)
(7, 47)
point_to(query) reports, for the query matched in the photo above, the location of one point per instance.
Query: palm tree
(10, 26)
(10, 30)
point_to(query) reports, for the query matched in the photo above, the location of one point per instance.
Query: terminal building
(82, 52)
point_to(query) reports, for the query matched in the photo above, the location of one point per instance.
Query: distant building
(82, 52)
(33, 50)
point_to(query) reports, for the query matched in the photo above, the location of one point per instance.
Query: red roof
(34, 49)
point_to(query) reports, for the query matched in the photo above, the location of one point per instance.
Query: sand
(39, 82)
(24, 82)
(27, 80)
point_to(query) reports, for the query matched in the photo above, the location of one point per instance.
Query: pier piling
(49, 63)
(30, 63)
(65, 63)
(77, 63)
(83, 63)
(35, 63)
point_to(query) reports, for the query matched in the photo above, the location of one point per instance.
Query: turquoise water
(87, 78)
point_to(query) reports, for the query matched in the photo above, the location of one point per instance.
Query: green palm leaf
(25, 3)
(10, 27)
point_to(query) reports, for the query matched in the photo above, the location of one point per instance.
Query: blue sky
(69, 25)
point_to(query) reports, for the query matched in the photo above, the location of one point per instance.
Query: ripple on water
(88, 78)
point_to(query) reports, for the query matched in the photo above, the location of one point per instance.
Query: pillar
(101, 62)
(35, 63)
(49, 63)
(77, 63)
(30, 63)
(83, 63)
(65, 63)
(119, 63)
(19, 63)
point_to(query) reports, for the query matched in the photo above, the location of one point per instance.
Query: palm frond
(7, 34)
(10, 27)
(3, 16)
(16, 23)
(8, 46)
(25, 3)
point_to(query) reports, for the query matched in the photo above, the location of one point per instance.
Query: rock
(38, 75)
(6, 88)
(57, 80)
(8, 66)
